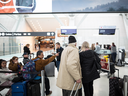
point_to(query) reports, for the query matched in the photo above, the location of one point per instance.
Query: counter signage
(9, 34)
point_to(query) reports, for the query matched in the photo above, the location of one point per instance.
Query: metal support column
(42, 83)
(82, 20)
(58, 19)
(3, 48)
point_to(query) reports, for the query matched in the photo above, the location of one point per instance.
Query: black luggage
(33, 89)
(115, 88)
(112, 68)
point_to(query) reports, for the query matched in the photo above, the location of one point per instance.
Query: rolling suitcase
(33, 89)
(115, 88)
(125, 85)
(50, 69)
(73, 89)
(19, 89)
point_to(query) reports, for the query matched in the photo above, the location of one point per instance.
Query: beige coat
(70, 70)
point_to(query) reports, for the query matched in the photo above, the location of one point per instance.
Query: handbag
(98, 65)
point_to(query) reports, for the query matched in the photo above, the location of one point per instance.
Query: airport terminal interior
(104, 28)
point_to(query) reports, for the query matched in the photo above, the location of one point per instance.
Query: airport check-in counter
(105, 56)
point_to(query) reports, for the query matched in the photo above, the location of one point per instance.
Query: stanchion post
(42, 83)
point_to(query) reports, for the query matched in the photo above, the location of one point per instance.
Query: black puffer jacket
(26, 50)
(89, 71)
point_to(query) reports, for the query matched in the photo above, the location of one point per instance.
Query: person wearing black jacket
(59, 50)
(89, 70)
(26, 49)
(25, 59)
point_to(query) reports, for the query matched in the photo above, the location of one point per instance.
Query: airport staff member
(97, 48)
(70, 69)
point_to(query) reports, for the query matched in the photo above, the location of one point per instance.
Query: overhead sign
(49, 6)
(8, 34)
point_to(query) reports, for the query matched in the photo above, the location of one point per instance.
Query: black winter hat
(72, 39)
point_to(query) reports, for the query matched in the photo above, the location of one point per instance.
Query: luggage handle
(73, 89)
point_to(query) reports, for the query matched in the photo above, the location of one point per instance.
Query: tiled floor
(101, 85)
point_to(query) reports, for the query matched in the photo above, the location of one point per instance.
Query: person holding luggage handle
(70, 69)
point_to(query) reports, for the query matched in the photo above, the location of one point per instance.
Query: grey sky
(73, 5)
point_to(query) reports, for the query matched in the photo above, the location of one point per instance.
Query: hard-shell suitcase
(50, 69)
(115, 87)
(19, 89)
(125, 85)
(33, 89)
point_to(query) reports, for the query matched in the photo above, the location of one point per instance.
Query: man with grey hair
(70, 70)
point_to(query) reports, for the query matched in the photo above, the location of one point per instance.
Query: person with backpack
(40, 63)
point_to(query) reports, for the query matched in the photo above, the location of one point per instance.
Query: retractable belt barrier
(42, 79)
(20, 72)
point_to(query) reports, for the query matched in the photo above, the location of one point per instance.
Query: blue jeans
(58, 65)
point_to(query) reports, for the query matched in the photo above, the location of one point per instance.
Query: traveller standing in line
(5, 78)
(59, 50)
(25, 59)
(26, 49)
(97, 48)
(14, 65)
(113, 52)
(39, 65)
(70, 70)
(93, 47)
(89, 70)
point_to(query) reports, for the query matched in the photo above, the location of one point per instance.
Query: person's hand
(53, 53)
(21, 68)
(57, 54)
(78, 81)
(15, 74)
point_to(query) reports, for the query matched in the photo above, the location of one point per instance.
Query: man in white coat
(70, 69)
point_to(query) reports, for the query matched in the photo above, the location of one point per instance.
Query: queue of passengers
(72, 66)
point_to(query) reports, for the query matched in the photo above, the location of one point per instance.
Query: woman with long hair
(14, 65)
(88, 68)
(93, 47)
(5, 78)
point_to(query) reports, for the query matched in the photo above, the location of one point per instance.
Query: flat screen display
(52, 6)
(68, 31)
(106, 31)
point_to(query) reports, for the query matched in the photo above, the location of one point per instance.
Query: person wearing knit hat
(70, 69)
(72, 39)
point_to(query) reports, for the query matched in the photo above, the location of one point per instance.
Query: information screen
(107, 31)
(68, 31)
